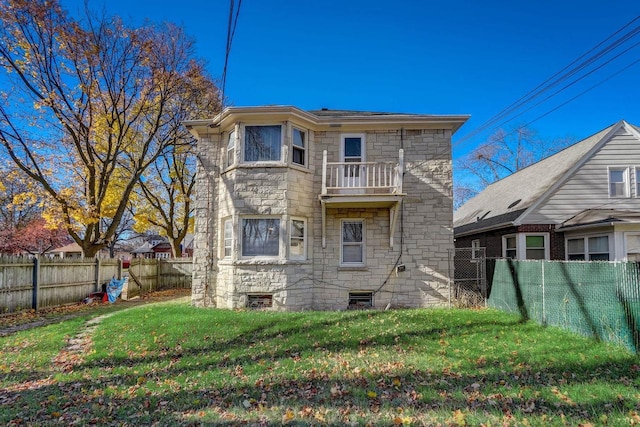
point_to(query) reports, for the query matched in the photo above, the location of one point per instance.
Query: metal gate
(468, 269)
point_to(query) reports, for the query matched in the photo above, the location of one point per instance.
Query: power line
(554, 80)
(231, 31)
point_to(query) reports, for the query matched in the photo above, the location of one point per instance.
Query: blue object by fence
(114, 289)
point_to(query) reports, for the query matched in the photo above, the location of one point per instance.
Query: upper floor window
(618, 182)
(299, 148)
(262, 143)
(260, 237)
(352, 240)
(231, 148)
(637, 177)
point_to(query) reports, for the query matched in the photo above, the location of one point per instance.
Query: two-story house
(322, 209)
(583, 203)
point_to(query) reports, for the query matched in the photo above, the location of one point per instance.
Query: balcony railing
(367, 178)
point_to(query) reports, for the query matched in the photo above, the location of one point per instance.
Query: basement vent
(360, 300)
(261, 301)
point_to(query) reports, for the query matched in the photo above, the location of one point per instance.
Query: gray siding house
(582, 203)
(322, 209)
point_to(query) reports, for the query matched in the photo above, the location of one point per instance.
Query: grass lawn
(171, 364)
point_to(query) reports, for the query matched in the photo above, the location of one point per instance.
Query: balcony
(362, 185)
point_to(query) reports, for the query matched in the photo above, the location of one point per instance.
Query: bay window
(260, 237)
(262, 143)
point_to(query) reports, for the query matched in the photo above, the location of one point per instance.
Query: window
(262, 143)
(352, 151)
(260, 237)
(637, 176)
(509, 244)
(297, 245)
(228, 237)
(588, 249)
(352, 242)
(231, 148)
(535, 247)
(475, 249)
(360, 300)
(633, 247)
(618, 182)
(299, 147)
(598, 248)
(575, 249)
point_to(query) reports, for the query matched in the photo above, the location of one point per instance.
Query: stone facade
(284, 192)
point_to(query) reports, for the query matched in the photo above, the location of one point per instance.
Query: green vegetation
(172, 364)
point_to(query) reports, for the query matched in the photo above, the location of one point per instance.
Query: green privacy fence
(598, 299)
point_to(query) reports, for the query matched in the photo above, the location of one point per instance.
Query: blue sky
(451, 57)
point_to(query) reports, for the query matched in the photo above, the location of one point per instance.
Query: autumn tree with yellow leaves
(91, 106)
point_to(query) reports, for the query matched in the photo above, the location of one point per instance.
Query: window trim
(504, 245)
(225, 238)
(585, 239)
(231, 148)
(362, 244)
(475, 245)
(626, 181)
(636, 176)
(244, 144)
(304, 238)
(363, 145)
(545, 237)
(241, 236)
(304, 149)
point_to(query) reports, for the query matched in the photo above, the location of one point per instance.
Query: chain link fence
(597, 299)
(468, 268)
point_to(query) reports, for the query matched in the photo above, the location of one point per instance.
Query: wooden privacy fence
(146, 275)
(34, 283)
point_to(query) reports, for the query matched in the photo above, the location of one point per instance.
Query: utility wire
(231, 31)
(553, 81)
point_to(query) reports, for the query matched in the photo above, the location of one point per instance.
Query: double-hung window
(299, 148)
(510, 246)
(637, 177)
(588, 249)
(231, 148)
(262, 143)
(228, 237)
(297, 243)
(535, 247)
(352, 242)
(618, 182)
(598, 248)
(260, 237)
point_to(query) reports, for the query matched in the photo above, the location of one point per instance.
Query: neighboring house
(72, 250)
(582, 203)
(145, 250)
(322, 209)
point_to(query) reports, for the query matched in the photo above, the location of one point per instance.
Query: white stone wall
(320, 282)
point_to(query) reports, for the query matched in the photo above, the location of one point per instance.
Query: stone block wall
(287, 191)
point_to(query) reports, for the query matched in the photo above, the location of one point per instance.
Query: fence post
(97, 289)
(35, 297)
(544, 308)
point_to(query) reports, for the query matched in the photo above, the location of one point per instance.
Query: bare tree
(504, 153)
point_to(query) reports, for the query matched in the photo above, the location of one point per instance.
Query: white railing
(365, 177)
